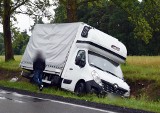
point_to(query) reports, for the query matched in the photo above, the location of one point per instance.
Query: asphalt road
(22, 101)
(12, 102)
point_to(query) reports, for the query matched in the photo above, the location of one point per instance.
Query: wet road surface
(12, 102)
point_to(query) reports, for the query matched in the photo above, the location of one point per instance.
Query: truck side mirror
(80, 59)
(80, 62)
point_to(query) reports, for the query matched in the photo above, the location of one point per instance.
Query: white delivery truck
(79, 58)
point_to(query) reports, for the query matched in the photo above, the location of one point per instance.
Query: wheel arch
(79, 81)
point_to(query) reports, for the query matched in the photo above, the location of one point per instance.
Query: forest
(135, 23)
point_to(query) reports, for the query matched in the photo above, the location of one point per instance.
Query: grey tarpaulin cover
(54, 40)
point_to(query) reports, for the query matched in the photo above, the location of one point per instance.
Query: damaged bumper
(93, 87)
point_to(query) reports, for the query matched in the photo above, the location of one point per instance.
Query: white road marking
(17, 94)
(18, 101)
(76, 105)
(3, 92)
(2, 98)
(55, 101)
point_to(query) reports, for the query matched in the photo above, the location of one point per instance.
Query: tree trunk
(71, 10)
(7, 31)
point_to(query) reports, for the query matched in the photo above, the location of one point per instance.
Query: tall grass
(10, 65)
(142, 67)
(145, 61)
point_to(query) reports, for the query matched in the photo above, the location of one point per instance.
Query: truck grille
(108, 87)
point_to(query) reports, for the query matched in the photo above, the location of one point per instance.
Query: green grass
(138, 72)
(142, 68)
(136, 68)
(142, 103)
(10, 65)
(145, 61)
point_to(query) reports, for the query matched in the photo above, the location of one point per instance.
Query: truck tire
(80, 88)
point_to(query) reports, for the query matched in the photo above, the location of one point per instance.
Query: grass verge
(137, 68)
(10, 65)
(142, 103)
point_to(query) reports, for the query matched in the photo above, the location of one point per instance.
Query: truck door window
(80, 58)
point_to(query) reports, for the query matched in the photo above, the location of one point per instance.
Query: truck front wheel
(80, 88)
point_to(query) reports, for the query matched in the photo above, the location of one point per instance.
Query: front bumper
(93, 87)
(110, 88)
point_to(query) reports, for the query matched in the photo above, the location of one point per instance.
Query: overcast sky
(24, 22)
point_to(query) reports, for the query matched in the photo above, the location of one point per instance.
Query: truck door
(74, 70)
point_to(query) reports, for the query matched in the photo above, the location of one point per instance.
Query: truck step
(46, 81)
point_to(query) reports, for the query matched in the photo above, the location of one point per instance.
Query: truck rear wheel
(80, 88)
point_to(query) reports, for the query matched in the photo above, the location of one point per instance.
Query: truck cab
(95, 67)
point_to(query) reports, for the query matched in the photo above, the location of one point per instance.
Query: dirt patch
(9, 74)
(148, 88)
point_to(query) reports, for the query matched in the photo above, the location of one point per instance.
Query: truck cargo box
(55, 41)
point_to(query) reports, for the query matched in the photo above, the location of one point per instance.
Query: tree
(1, 44)
(19, 42)
(6, 29)
(37, 20)
(8, 8)
(60, 14)
(151, 11)
(71, 7)
(138, 13)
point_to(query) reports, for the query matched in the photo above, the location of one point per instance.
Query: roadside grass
(10, 65)
(142, 103)
(142, 68)
(145, 61)
(136, 68)
(141, 73)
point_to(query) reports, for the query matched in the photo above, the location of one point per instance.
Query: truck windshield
(104, 64)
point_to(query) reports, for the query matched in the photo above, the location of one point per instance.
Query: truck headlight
(96, 77)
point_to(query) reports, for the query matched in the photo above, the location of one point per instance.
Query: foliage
(1, 44)
(37, 20)
(143, 30)
(129, 20)
(20, 41)
(60, 14)
(71, 7)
